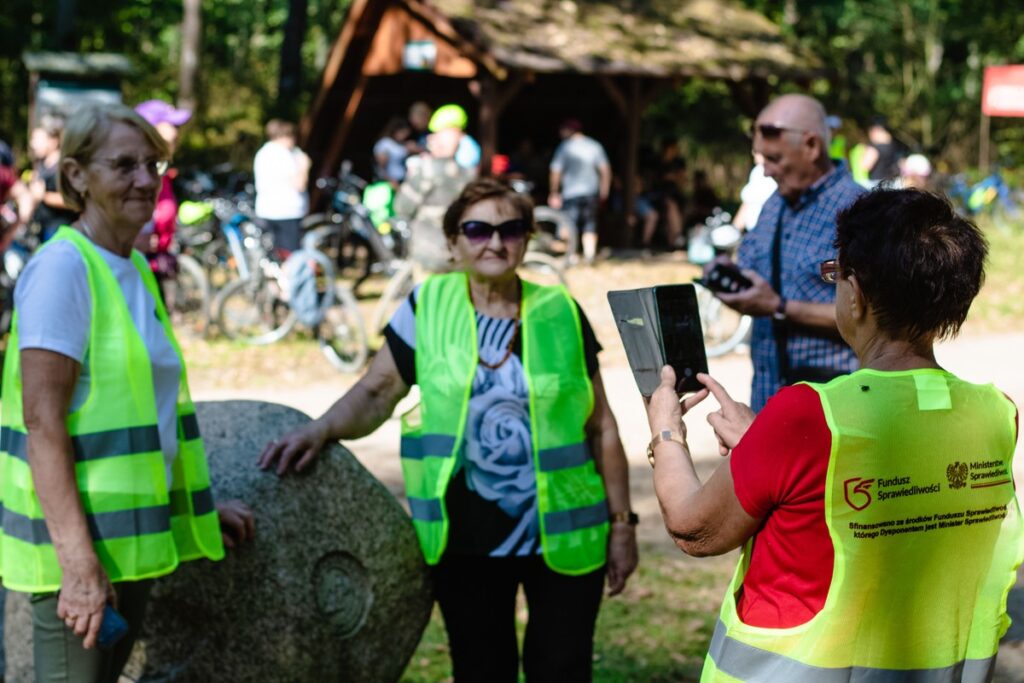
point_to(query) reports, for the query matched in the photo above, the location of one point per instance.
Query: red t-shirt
(779, 470)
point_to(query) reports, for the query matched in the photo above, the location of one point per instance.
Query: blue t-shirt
(492, 497)
(396, 153)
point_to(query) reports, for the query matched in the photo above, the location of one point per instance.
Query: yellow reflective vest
(140, 529)
(573, 509)
(920, 506)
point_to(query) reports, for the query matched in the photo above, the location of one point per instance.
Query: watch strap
(627, 516)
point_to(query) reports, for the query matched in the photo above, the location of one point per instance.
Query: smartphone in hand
(725, 278)
(682, 339)
(113, 628)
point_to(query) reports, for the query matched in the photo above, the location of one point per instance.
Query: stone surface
(334, 587)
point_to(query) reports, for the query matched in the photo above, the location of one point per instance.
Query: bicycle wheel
(189, 300)
(341, 333)
(543, 269)
(724, 329)
(254, 311)
(398, 289)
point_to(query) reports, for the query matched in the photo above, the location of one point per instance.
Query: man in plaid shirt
(794, 335)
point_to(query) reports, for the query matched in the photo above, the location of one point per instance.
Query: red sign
(1003, 91)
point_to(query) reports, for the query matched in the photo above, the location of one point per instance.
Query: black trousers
(477, 596)
(286, 232)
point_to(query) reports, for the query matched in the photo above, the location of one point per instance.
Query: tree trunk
(191, 36)
(290, 79)
(63, 27)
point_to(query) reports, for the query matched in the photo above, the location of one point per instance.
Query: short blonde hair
(86, 132)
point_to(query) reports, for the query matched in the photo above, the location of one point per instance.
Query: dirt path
(982, 359)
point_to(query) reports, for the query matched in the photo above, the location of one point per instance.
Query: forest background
(917, 62)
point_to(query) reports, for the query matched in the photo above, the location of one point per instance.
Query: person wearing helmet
(448, 138)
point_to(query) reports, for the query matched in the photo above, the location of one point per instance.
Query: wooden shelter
(519, 67)
(61, 81)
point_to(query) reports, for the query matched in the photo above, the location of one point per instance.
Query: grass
(657, 631)
(1000, 305)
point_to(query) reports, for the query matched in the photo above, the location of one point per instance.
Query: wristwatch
(627, 516)
(663, 435)
(780, 312)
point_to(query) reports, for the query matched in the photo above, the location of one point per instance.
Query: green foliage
(237, 76)
(918, 62)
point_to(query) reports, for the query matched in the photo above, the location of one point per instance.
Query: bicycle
(348, 234)
(258, 309)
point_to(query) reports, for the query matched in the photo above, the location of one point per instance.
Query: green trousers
(58, 653)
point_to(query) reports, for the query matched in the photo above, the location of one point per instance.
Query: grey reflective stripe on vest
(189, 427)
(434, 445)
(103, 526)
(564, 521)
(202, 502)
(92, 446)
(563, 457)
(754, 665)
(426, 509)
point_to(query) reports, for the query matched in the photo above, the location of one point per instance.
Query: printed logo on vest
(858, 489)
(956, 473)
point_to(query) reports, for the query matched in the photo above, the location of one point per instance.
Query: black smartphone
(725, 277)
(682, 339)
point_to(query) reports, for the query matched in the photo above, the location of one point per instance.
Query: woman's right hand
(731, 420)
(85, 591)
(300, 446)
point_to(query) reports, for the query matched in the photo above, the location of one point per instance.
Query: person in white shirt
(281, 172)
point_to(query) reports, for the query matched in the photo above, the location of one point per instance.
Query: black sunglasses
(479, 232)
(770, 131)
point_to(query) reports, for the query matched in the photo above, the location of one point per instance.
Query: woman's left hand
(665, 410)
(236, 522)
(622, 556)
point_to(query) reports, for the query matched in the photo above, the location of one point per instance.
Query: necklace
(515, 331)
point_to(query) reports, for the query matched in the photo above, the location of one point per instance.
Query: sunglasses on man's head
(770, 131)
(829, 271)
(479, 232)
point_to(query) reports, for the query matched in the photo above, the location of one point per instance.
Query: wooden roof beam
(440, 24)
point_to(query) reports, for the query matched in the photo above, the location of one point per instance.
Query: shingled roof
(658, 38)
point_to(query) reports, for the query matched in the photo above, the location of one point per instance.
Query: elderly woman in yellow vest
(103, 478)
(513, 465)
(877, 514)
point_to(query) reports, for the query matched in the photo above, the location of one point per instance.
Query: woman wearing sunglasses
(514, 470)
(877, 514)
(103, 478)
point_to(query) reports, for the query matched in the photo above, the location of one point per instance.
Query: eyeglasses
(770, 131)
(125, 166)
(829, 270)
(478, 232)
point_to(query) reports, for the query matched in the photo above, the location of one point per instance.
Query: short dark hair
(480, 190)
(279, 128)
(918, 262)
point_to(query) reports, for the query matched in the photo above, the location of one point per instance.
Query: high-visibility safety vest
(573, 509)
(920, 506)
(139, 529)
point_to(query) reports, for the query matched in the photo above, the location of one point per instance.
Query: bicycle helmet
(448, 116)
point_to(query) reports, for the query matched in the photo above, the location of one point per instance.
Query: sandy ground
(991, 358)
(982, 358)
